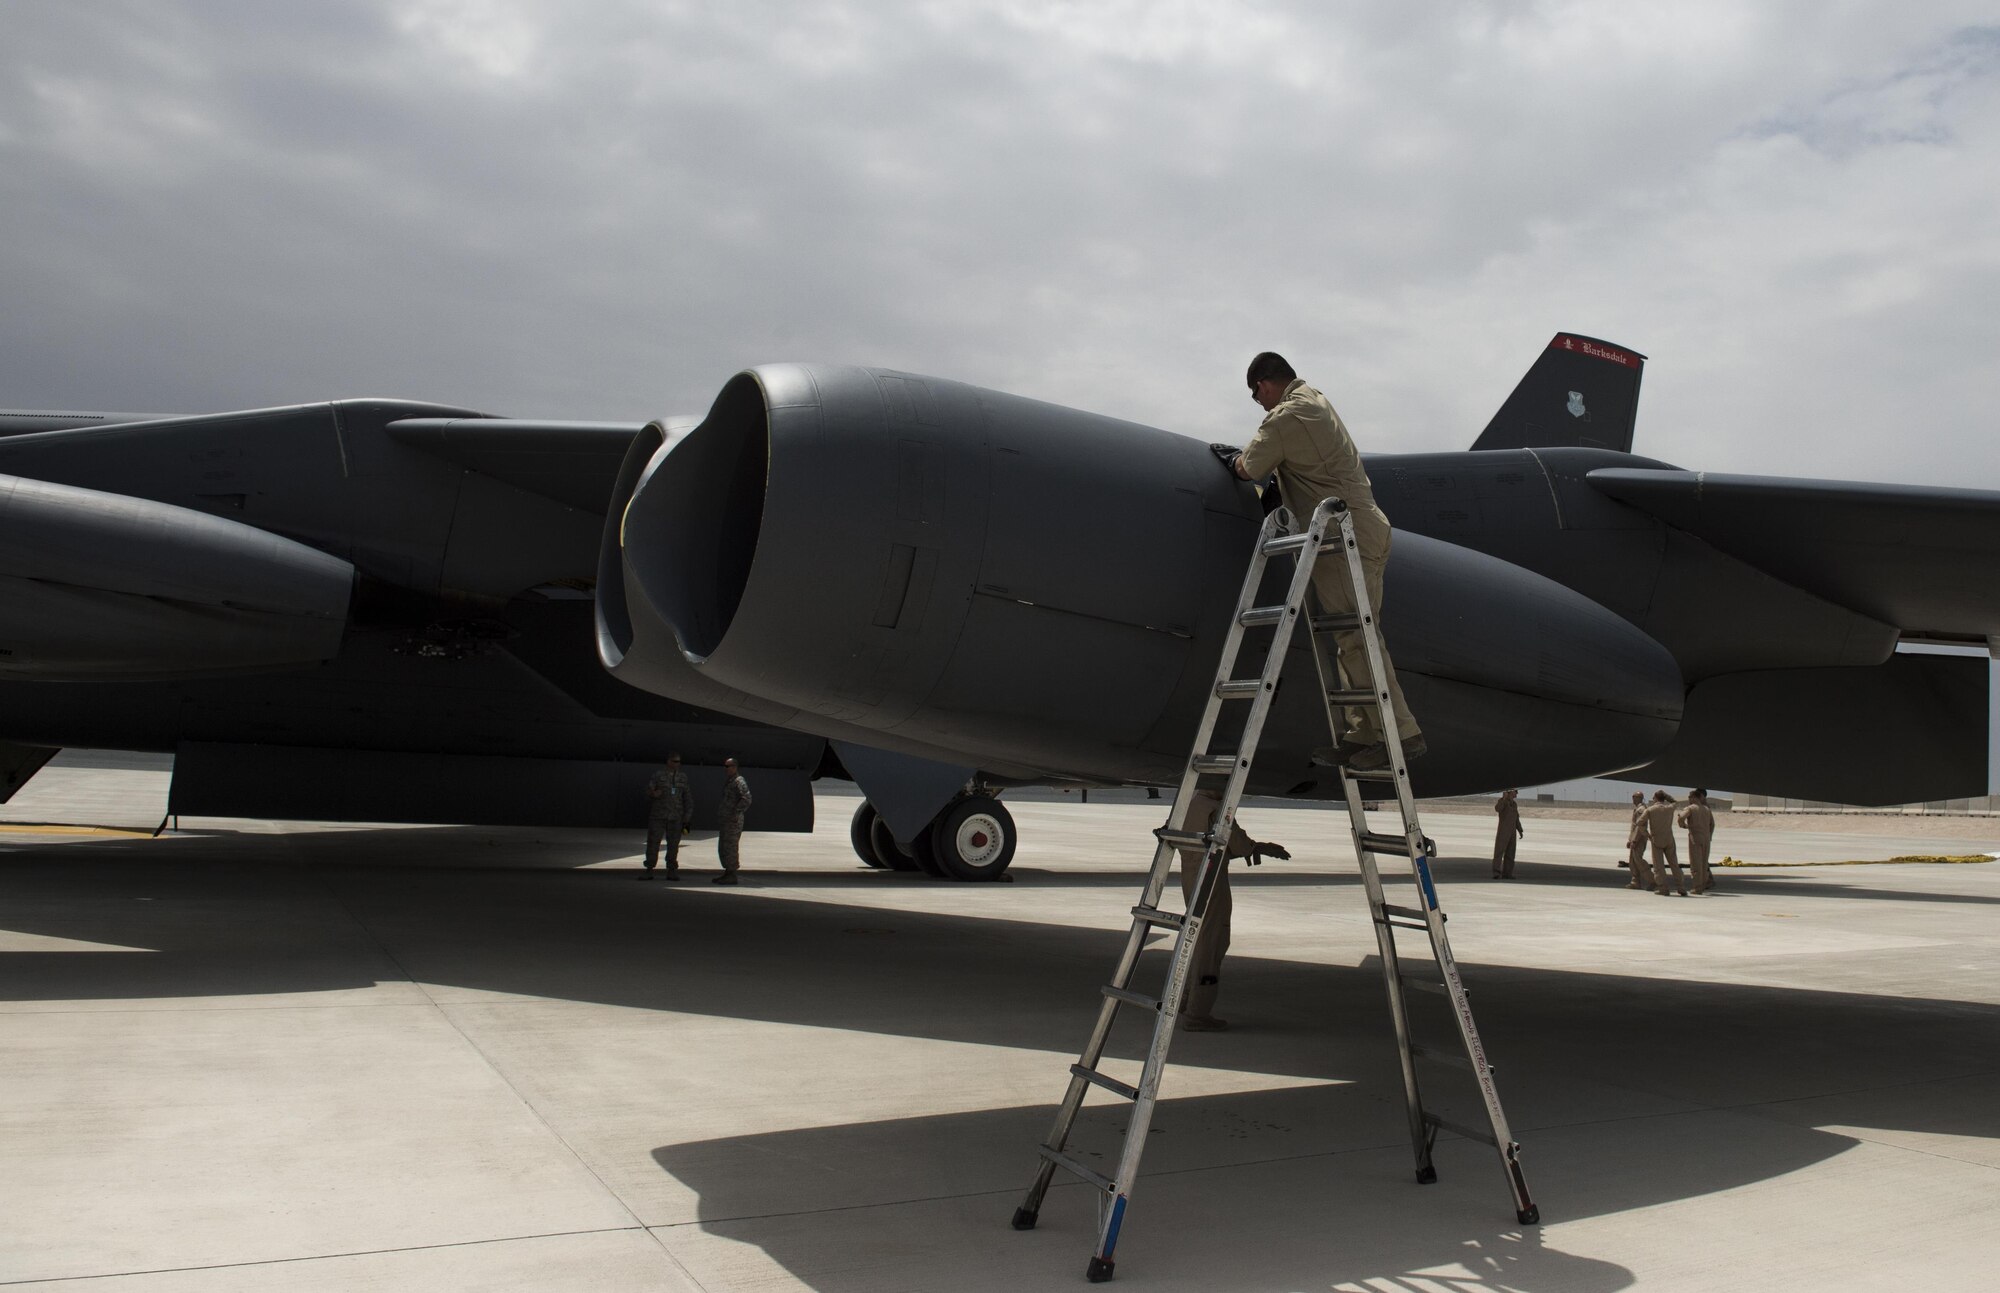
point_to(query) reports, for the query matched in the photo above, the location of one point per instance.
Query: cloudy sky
(601, 210)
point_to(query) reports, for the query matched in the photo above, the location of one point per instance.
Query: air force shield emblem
(1576, 409)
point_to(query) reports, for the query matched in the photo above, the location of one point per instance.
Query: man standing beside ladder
(1204, 981)
(1305, 442)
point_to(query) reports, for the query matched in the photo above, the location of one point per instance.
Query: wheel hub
(979, 839)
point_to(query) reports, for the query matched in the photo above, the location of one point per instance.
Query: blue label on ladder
(1111, 1231)
(1424, 882)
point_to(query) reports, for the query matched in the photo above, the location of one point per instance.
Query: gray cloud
(603, 210)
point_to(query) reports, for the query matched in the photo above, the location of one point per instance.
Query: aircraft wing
(1918, 557)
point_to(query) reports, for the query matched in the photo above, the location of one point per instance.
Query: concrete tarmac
(279, 1056)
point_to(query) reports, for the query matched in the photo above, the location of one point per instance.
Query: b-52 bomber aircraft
(383, 610)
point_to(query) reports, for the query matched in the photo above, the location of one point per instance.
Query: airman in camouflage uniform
(669, 809)
(735, 802)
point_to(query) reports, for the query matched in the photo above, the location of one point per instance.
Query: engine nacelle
(925, 566)
(98, 585)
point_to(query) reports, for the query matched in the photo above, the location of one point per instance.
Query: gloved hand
(1258, 848)
(1226, 452)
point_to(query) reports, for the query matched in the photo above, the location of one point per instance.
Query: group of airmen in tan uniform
(670, 811)
(1653, 825)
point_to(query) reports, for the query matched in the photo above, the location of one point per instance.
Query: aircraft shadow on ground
(1583, 1057)
(230, 929)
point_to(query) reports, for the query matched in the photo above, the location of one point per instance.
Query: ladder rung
(1425, 985)
(1406, 924)
(1214, 763)
(1132, 998)
(1425, 1053)
(1257, 615)
(1460, 1129)
(1074, 1168)
(1239, 688)
(1182, 839)
(1336, 622)
(1399, 845)
(1287, 543)
(1111, 1084)
(1353, 696)
(1154, 916)
(1412, 913)
(1384, 773)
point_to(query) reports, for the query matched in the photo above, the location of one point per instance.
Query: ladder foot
(1529, 1216)
(1025, 1219)
(1099, 1270)
(1427, 1175)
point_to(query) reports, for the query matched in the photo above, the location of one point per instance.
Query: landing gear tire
(973, 839)
(861, 832)
(924, 854)
(892, 855)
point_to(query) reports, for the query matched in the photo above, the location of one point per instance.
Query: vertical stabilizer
(1581, 393)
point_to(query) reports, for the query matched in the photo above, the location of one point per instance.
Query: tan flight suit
(1635, 849)
(1205, 974)
(1304, 440)
(1700, 822)
(1509, 810)
(1660, 830)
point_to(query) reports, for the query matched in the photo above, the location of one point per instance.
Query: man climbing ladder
(1331, 525)
(1304, 441)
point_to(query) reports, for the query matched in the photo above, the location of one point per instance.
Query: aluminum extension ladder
(1274, 540)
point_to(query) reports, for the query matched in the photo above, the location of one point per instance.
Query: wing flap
(1918, 557)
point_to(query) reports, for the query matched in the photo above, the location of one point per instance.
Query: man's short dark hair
(1270, 367)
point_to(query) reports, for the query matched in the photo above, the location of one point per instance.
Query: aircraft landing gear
(873, 843)
(860, 833)
(888, 853)
(972, 839)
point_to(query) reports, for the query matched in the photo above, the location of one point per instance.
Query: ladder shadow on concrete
(1283, 1189)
